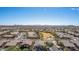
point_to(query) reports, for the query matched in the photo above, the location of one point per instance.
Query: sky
(39, 16)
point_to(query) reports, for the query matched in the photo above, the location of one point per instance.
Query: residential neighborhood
(39, 38)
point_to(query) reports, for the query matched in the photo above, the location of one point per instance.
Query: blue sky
(39, 16)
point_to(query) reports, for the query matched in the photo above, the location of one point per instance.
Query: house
(39, 42)
(27, 42)
(66, 43)
(14, 33)
(11, 43)
(8, 36)
(76, 42)
(3, 32)
(32, 35)
(2, 42)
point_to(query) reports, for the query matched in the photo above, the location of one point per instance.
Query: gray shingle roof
(67, 43)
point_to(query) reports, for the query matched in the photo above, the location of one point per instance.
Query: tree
(50, 44)
(40, 48)
(22, 47)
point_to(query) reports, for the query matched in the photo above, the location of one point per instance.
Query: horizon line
(34, 25)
